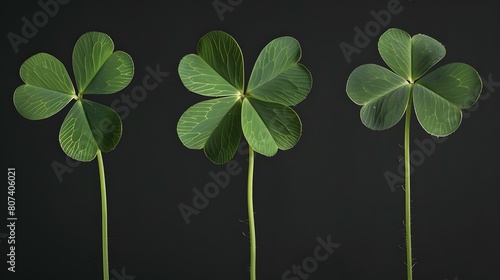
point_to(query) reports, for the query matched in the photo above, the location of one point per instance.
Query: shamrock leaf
(261, 113)
(438, 97)
(89, 126)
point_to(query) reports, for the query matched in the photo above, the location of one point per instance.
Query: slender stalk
(251, 221)
(104, 217)
(409, 259)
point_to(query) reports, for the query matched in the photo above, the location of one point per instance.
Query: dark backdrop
(330, 186)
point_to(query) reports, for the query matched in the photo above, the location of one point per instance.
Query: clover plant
(261, 111)
(437, 97)
(89, 127)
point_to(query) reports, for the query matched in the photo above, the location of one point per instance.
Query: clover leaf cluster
(261, 111)
(88, 126)
(438, 97)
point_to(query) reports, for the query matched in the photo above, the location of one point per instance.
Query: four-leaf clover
(438, 97)
(261, 111)
(89, 126)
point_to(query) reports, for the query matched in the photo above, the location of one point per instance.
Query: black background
(331, 184)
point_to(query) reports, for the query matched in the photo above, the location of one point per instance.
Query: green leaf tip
(261, 112)
(47, 89)
(438, 97)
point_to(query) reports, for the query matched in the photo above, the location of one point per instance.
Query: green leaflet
(458, 83)
(437, 115)
(410, 57)
(97, 69)
(212, 125)
(198, 77)
(387, 110)
(269, 126)
(88, 127)
(114, 75)
(35, 103)
(277, 76)
(48, 87)
(369, 82)
(223, 54)
(45, 71)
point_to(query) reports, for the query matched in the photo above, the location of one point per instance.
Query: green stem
(104, 217)
(251, 221)
(409, 259)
